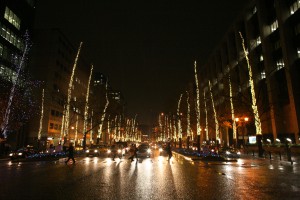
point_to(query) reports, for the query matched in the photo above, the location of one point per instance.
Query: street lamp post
(243, 122)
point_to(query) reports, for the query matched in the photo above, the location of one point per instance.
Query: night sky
(146, 48)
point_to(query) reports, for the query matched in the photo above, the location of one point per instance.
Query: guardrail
(289, 150)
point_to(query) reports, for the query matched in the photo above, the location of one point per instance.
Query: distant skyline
(146, 49)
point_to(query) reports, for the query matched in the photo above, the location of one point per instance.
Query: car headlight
(108, 151)
(95, 151)
(11, 154)
(148, 150)
(238, 153)
(119, 150)
(19, 154)
(227, 152)
(87, 151)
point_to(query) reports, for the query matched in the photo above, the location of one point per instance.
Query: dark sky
(147, 48)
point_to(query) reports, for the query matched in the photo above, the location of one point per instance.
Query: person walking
(113, 151)
(169, 150)
(133, 151)
(71, 153)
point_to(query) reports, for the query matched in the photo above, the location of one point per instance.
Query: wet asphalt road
(150, 178)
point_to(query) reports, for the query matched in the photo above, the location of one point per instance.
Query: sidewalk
(274, 158)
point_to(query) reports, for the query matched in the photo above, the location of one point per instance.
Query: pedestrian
(133, 152)
(169, 149)
(71, 153)
(113, 151)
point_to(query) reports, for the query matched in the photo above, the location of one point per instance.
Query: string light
(215, 113)
(251, 83)
(197, 100)
(206, 120)
(20, 66)
(86, 108)
(179, 117)
(67, 111)
(188, 128)
(42, 115)
(103, 113)
(232, 109)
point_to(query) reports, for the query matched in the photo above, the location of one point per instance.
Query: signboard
(252, 139)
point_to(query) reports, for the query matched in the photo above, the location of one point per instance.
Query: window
(261, 58)
(254, 10)
(294, 7)
(297, 29)
(1, 50)
(12, 18)
(7, 73)
(7, 34)
(274, 26)
(279, 64)
(263, 75)
(51, 125)
(277, 45)
(258, 41)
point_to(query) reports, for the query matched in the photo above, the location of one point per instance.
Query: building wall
(271, 29)
(16, 17)
(52, 62)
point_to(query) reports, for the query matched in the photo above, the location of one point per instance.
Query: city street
(150, 178)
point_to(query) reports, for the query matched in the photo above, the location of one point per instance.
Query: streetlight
(242, 122)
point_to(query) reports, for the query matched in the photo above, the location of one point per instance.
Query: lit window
(261, 58)
(274, 26)
(263, 75)
(279, 64)
(258, 41)
(12, 18)
(254, 10)
(7, 34)
(1, 50)
(294, 7)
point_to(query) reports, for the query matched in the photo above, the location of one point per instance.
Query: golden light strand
(215, 113)
(42, 116)
(86, 108)
(251, 82)
(206, 120)
(232, 110)
(179, 117)
(67, 112)
(188, 128)
(104, 113)
(197, 100)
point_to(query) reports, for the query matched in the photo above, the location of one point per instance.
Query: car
(96, 150)
(116, 151)
(144, 150)
(24, 152)
(229, 152)
(123, 146)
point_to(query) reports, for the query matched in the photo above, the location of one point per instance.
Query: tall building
(52, 61)
(271, 31)
(16, 18)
